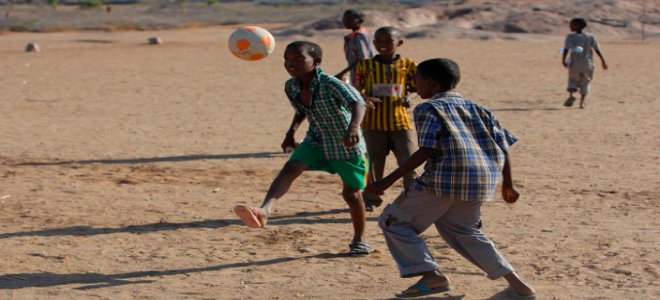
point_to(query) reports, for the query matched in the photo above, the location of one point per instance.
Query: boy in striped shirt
(386, 83)
(466, 151)
(333, 143)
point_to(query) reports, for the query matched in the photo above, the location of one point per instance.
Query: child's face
(351, 22)
(385, 44)
(298, 62)
(426, 88)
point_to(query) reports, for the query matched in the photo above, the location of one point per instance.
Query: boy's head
(353, 19)
(436, 75)
(386, 40)
(578, 24)
(302, 57)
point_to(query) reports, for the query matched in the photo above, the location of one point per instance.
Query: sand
(121, 163)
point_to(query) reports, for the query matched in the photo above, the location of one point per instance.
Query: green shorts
(353, 172)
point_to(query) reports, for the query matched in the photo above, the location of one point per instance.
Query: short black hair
(580, 22)
(354, 13)
(444, 71)
(312, 49)
(389, 30)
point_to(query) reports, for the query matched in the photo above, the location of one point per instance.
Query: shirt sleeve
(360, 75)
(410, 79)
(568, 43)
(362, 47)
(503, 138)
(428, 125)
(344, 92)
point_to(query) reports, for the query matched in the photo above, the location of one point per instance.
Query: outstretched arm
(415, 160)
(509, 194)
(352, 134)
(289, 138)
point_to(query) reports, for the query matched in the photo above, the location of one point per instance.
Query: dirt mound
(486, 19)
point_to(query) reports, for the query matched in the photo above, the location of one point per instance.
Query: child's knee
(351, 195)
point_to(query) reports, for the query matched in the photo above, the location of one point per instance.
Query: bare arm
(563, 58)
(289, 138)
(509, 194)
(352, 134)
(602, 59)
(415, 160)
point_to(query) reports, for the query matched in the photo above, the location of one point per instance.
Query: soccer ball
(251, 43)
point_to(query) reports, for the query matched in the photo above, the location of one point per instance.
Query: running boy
(581, 65)
(333, 142)
(465, 150)
(357, 44)
(386, 83)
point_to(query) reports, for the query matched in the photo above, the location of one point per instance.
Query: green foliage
(53, 2)
(91, 3)
(211, 2)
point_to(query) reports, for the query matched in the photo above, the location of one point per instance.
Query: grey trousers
(413, 212)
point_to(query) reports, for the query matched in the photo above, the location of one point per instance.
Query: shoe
(359, 249)
(369, 207)
(569, 101)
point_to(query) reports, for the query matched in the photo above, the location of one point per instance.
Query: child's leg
(459, 227)
(281, 184)
(404, 145)
(258, 217)
(378, 150)
(353, 198)
(403, 221)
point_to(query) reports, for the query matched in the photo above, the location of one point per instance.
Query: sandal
(422, 290)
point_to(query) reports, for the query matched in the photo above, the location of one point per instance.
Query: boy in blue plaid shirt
(333, 142)
(465, 150)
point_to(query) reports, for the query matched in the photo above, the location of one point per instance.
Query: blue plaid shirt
(469, 148)
(329, 114)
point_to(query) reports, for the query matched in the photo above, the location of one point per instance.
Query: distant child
(580, 65)
(465, 150)
(386, 83)
(357, 44)
(333, 142)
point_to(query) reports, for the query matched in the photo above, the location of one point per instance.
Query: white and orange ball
(251, 43)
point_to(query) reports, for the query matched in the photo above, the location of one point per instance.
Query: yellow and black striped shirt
(389, 82)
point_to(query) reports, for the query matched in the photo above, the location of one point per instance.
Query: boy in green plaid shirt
(333, 142)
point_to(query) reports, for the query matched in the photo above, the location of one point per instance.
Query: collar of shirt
(449, 94)
(356, 32)
(296, 87)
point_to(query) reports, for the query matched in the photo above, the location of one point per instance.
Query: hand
(289, 142)
(378, 187)
(563, 62)
(510, 195)
(604, 65)
(352, 136)
(369, 101)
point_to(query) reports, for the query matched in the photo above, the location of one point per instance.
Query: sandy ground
(120, 164)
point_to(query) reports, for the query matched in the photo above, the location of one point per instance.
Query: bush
(91, 3)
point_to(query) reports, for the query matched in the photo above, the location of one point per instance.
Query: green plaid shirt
(329, 114)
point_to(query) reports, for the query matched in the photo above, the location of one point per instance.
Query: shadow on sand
(299, 218)
(157, 159)
(98, 280)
